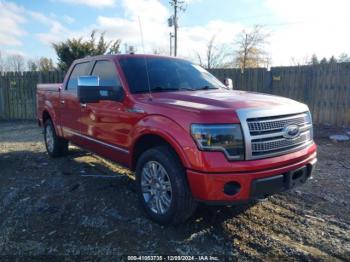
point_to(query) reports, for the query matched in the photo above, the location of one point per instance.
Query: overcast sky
(298, 28)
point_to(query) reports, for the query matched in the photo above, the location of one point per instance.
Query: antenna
(146, 65)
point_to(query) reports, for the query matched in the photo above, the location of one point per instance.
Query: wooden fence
(325, 88)
(18, 93)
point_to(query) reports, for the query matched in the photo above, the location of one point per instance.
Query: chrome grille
(267, 134)
(279, 144)
(266, 131)
(273, 124)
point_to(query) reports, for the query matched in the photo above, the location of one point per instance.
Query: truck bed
(48, 95)
(49, 87)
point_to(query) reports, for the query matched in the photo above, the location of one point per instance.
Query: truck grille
(268, 135)
(260, 126)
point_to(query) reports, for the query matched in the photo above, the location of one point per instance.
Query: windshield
(166, 74)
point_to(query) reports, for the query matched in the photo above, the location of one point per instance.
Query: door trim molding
(96, 141)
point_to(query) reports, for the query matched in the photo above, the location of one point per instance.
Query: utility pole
(178, 6)
(171, 36)
(175, 27)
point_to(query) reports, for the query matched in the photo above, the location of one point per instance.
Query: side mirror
(90, 90)
(228, 83)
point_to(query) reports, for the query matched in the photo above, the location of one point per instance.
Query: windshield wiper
(161, 89)
(187, 88)
(206, 88)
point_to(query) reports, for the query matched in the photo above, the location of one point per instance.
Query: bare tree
(250, 50)
(305, 60)
(45, 64)
(15, 63)
(2, 66)
(32, 65)
(200, 60)
(215, 55)
(160, 51)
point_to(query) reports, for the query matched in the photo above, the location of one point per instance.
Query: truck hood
(220, 100)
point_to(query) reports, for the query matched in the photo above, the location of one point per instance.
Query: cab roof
(121, 56)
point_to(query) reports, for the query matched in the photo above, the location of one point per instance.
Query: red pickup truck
(186, 136)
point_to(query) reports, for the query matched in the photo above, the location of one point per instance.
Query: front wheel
(162, 186)
(55, 146)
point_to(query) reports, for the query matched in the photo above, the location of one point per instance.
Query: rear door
(71, 109)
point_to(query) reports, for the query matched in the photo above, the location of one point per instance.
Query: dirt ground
(84, 205)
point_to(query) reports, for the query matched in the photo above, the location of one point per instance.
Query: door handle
(82, 105)
(62, 102)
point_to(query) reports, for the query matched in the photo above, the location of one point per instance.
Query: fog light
(232, 188)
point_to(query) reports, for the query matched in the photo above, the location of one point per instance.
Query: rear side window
(82, 69)
(107, 73)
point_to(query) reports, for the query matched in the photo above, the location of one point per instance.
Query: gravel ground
(59, 207)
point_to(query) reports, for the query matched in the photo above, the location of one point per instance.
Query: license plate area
(296, 177)
(263, 187)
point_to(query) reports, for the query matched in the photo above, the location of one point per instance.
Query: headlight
(309, 120)
(227, 138)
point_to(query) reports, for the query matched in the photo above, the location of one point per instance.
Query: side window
(107, 72)
(81, 69)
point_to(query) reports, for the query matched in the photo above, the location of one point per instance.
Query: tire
(174, 186)
(55, 146)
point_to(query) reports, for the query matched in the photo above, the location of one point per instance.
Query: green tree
(344, 58)
(314, 60)
(324, 61)
(332, 60)
(76, 48)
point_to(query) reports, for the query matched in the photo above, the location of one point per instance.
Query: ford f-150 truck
(186, 136)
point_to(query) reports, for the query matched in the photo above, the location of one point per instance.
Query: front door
(103, 123)
(70, 108)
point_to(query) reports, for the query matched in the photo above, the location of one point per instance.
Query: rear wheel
(162, 186)
(55, 146)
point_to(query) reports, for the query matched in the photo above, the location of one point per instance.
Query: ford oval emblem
(291, 131)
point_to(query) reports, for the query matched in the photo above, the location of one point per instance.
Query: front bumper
(212, 187)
